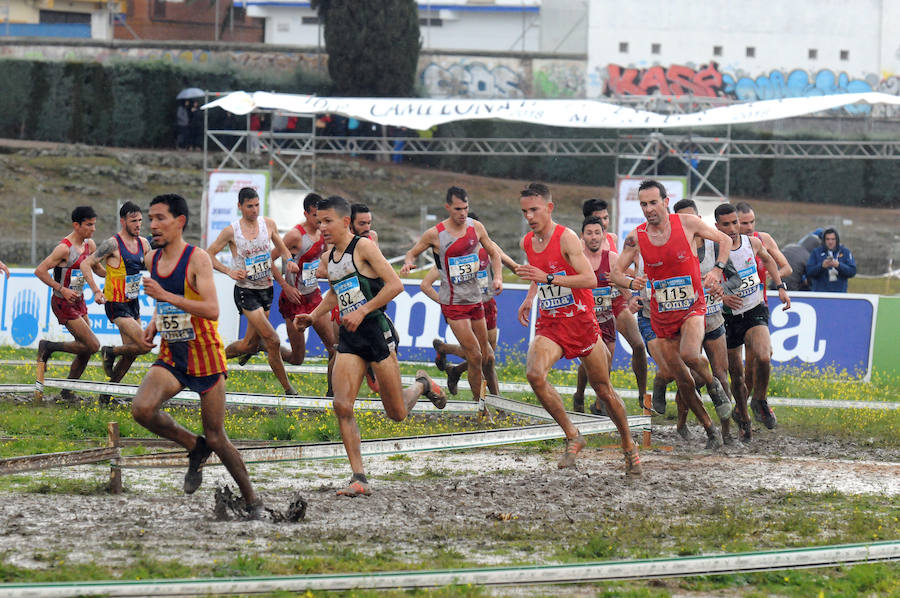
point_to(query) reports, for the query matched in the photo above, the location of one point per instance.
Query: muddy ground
(425, 504)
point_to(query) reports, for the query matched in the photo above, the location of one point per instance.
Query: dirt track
(426, 504)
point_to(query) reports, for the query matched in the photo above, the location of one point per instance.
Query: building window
(431, 22)
(159, 9)
(717, 50)
(54, 17)
(309, 20)
(655, 48)
(623, 47)
(845, 54)
(751, 52)
(813, 54)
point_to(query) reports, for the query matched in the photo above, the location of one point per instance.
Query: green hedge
(125, 104)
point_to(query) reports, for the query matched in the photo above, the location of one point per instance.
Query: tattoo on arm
(630, 242)
(106, 248)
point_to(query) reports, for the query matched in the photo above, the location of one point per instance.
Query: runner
(714, 332)
(123, 257)
(5, 269)
(566, 327)
(362, 284)
(747, 222)
(190, 352)
(455, 242)
(597, 251)
(250, 238)
(361, 222)
(67, 302)
(626, 324)
(301, 293)
(747, 319)
(677, 305)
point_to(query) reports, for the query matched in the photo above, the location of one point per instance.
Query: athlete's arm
(106, 249)
(371, 256)
(429, 239)
(784, 268)
(759, 249)
(225, 237)
(199, 276)
(372, 236)
(57, 257)
(508, 261)
(280, 249)
(628, 256)
(694, 225)
(291, 241)
(572, 251)
(427, 284)
(613, 258)
(329, 302)
(494, 253)
(524, 312)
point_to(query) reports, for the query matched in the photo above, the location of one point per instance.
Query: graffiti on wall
(464, 79)
(709, 80)
(558, 79)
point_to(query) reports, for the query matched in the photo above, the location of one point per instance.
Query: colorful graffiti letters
(675, 80)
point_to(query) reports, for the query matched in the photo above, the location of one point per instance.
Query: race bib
(132, 286)
(713, 306)
(749, 281)
(308, 273)
(552, 296)
(173, 324)
(259, 266)
(673, 294)
(602, 299)
(462, 268)
(350, 296)
(483, 282)
(76, 281)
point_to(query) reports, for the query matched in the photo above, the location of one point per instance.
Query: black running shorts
(128, 309)
(736, 327)
(373, 341)
(252, 299)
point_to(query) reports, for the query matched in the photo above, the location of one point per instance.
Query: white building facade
(742, 49)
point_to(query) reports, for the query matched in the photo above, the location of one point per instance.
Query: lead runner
(566, 327)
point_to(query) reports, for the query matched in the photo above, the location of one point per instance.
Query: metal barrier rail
(721, 564)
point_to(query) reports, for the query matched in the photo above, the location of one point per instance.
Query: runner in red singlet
(455, 242)
(677, 305)
(67, 302)
(626, 323)
(747, 222)
(562, 279)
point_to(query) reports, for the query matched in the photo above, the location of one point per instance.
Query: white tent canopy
(425, 113)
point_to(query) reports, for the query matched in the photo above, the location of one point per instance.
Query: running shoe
(44, 353)
(67, 396)
(659, 399)
(573, 447)
(719, 398)
(578, 403)
(356, 487)
(431, 390)
(712, 438)
(453, 375)
(745, 431)
(243, 359)
(763, 413)
(633, 463)
(440, 359)
(197, 456)
(256, 511)
(108, 359)
(598, 408)
(683, 432)
(371, 380)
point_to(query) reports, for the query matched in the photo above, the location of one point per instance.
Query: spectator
(183, 124)
(196, 126)
(797, 255)
(830, 265)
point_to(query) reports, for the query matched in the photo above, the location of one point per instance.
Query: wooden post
(39, 383)
(646, 438)
(115, 472)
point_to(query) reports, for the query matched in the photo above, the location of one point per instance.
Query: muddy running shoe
(573, 447)
(104, 400)
(720, 399)
(256, 511)
(291, 392)
(659, 399)
(108, 358)
(727, 438)
(431, 390)
(578, 402)
(196, 458)
(67, 396)
(633, 463)
(763, 413)
(453, 375)
(598, 408)
(712, 438)
(44, 352)
(683, 432)
(371, 380)
(243, 359)
(359, 486)
(745, 431)
(440, 358)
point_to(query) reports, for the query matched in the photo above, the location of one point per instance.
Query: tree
(373, 46)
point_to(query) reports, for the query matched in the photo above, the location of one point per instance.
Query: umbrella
(190, 93)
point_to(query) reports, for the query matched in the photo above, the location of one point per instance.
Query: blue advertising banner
(821, 330)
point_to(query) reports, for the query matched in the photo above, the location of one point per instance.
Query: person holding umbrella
(184, 114)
